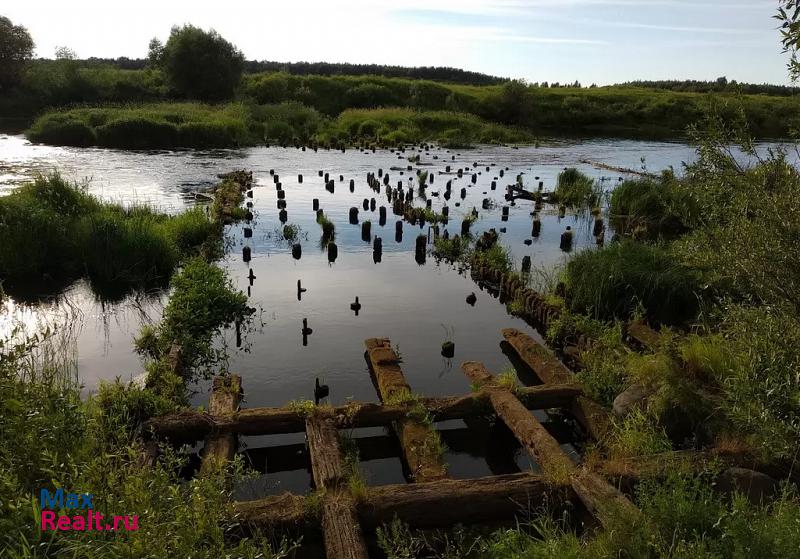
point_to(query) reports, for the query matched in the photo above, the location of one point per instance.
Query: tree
(16, 49)
(200, 64)
(789, 16)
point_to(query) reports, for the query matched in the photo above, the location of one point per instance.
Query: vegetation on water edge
(681, 517)
(574, 188)
(193, 125)
(53, 229)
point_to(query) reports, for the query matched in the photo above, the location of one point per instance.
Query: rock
(756, 486)
(635, 396)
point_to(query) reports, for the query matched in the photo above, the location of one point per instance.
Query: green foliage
(454, 249)
(637, 435)
(748, 222)
(202, 304)
(610, 283)
(16, 50)
(55, 228)
(162, 126)
(650, 208)
(201, 64)
(496, 258)
(328, 227)
(576, 189)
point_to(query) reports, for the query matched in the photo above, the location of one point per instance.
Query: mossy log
(423, 462)
(550, 370)
(436, 504)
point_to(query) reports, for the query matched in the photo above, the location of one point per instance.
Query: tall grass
(611, 282)
(650, 208)
(574, 188)
(53, 229)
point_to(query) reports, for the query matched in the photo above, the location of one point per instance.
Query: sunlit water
(416, 306)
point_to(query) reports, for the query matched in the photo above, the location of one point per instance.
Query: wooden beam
(434, 504)
(323, 449)
(550, 370)
(602, 500)
(340, 527)
(421, 457)
(195, 425)
(226, 393)
(531, 434)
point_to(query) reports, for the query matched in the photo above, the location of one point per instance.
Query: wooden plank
(531, 434)
(550, 370)
(220, 447)
(422, 459)
(323, 449)
(422, 505)
(340, 528)
(602, 500)
(195, 425)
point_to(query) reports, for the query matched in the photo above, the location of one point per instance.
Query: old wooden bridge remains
(431, 500)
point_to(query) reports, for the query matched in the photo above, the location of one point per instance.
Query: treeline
(436, 73)
(720, 85)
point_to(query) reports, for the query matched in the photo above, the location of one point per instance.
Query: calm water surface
(414, 305)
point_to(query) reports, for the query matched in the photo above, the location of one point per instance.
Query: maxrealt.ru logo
(86, 521)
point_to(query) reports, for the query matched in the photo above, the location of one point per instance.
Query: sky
(592, 41)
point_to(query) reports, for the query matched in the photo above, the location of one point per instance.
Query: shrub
(57, 130)
(137, 133)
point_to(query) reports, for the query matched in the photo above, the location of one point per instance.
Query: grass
(54, 229)
(611, 282)
(328, 227)
(52, 438)
(650, 208)
(574, 188)
(454, 249)
(495, 258)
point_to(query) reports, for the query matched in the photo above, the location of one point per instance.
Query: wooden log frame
(195, 425)
(435, 504)
(220, 447)
(591, 415)
(340, 528)
(423, 462)
(603, 501)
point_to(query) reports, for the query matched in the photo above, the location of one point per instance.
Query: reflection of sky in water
(411, 304)
(415, 306)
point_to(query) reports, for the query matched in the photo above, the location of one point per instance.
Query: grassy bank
(54, 232)
(283, 108)
(194, 125)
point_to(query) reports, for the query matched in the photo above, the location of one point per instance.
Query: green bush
(611, 282)
(137, 133)
(62, 130)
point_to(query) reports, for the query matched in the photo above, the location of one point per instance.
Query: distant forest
(435, 73)
(720, 85)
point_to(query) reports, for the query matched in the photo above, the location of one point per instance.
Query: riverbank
(329, 110)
